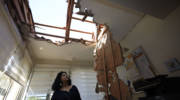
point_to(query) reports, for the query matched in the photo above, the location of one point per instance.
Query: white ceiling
(156, 8)
(43, 51)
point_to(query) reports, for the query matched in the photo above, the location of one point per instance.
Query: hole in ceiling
(51, 19)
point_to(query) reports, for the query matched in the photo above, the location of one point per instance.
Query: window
(5, 84)
(9, 89)
(14, 91)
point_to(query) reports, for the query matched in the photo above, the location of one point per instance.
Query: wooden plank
(98, 32)
(126, 95)
(69, 18)
(81, 31)
(84, 20)
(111, 58)
(108, 54)
(114, 89)
(19, 10)
(116, 56)
(101, 33)
(63, 28)
(118, 59)
(98, 60)
(105, 73)
(110, 62)
(101, 78)
(72, 39)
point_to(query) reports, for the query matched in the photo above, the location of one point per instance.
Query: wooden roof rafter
(63, 28)
(69, 18)
(84, 20)
(62, 37)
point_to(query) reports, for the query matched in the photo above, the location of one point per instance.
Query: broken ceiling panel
(21, 14)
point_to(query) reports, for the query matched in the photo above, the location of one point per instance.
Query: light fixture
(41, 48)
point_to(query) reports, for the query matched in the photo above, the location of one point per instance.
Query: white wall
(7, 41)
(11, 44)
(159, 38)
(15, 60)
(43, 78)
(83, 76)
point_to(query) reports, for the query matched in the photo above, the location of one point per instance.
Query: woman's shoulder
(74, 87)
(57, 92)
(55, 95)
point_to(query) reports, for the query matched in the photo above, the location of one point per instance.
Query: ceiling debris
(21, 14)
(85, 13)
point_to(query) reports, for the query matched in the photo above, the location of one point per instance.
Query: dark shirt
(73, 94)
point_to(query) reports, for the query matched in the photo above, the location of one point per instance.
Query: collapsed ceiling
(121, 16)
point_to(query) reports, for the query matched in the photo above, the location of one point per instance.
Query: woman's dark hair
(57, 82)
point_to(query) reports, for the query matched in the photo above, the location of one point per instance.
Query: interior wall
(7, 41)
(159, 38)
(15, 60)
(43, 77)
(83, 76)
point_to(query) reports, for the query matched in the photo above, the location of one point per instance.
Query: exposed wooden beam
(69, 18)
(63, 28)
(81, 31)
(84, 20)
(62, 37)
(49, 35)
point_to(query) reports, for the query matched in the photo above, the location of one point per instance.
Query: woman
(63, 90)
